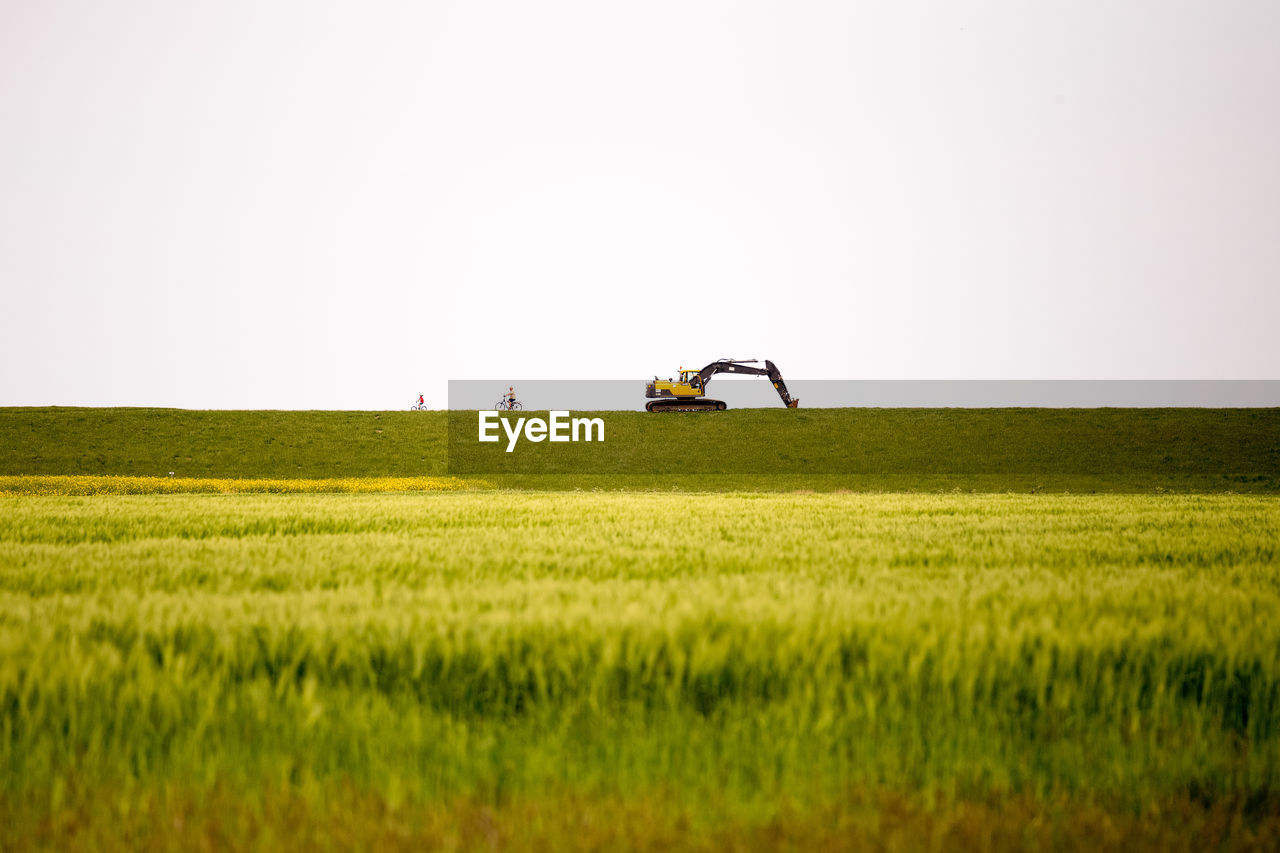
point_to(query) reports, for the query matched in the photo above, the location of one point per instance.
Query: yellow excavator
(688, 393)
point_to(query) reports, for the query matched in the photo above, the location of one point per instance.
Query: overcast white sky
(319, 205)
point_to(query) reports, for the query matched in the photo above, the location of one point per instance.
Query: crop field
(532, 669)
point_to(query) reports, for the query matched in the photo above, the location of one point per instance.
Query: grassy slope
(1124, 450)
(831, 669)
(153, 442)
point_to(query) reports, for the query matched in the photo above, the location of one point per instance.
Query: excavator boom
(726, 365)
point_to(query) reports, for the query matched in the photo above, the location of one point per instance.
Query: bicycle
(506, 405)
(415, 407)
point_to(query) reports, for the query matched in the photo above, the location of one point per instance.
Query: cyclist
(510, 397)
(421, 401)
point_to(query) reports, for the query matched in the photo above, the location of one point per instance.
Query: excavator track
(677, 405)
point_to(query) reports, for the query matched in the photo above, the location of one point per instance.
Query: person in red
(421, 402)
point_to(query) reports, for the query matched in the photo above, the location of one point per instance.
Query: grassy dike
(985, 450)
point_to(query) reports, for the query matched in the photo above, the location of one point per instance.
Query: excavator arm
(729, 365)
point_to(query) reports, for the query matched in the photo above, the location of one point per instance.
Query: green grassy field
(750, 667)
(368, 655)
(988, 450)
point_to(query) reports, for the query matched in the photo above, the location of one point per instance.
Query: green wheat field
(1063, 651)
